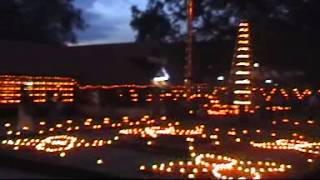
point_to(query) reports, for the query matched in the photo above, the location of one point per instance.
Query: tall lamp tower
(188, 67)
(241, 75)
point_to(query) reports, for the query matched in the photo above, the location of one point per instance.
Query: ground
(106, 147)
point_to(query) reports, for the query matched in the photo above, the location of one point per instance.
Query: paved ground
(118, 161)
(6, 173)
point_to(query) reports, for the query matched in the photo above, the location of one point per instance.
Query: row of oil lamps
(63, 143)
(208, 165)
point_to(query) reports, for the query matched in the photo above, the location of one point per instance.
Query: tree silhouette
(151, 24)
(216, 19)
(285, 32)
(41, 21)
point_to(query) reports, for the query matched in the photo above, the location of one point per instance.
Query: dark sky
(108, 20)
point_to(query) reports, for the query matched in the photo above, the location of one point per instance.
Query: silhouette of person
(54, 104)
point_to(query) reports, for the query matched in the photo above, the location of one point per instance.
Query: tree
(285, 32)
(41, 21)
(151, 24)
(216, 19)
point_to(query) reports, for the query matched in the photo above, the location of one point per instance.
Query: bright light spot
(243, 56)
(242, 72)
(149, 143)
(268, 81)
(220, 78)
(29, 83)
(242, 102)
(244, 81)
(142, 168)
(191, 176)
(62, 154)
(256, 65)
(243, 48)
(99, 161)
(164, 77)
(243, 64)
(242, 92)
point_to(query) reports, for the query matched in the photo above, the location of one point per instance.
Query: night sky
(108, 20)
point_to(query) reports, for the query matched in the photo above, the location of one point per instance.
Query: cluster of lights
(279, 108)
(215, 166)
(174, 93)
(299, 95)
(131, 86)
(37, 88)
(218, 109)
(296, 123)
(155, 131)
(295, 93)
(87, 124)
(57, 144)
(206, 165)
(307, 123)
(223, 110)
(285, 144)
(241, 72)
(177, 94)
(200, 166)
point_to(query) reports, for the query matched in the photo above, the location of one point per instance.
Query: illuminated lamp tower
(241, 75)
(188, 67)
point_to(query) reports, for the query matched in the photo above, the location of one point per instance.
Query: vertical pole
(188, 75)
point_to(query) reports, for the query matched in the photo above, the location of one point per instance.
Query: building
(113, 64)
(130, 63)
(39, 89)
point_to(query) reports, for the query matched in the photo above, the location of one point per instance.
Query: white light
(245, 81)
(242, 92)
(220, 78)
(244, 35)
(243, 56)
(243, 29)
(242, 102)
(165, 76)
(29, 83)
(243, 64)
(242, 72)
(243, 49)
(243, 42)
(162, 79)
(256, 65)
(268, 81)
(244, 24)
